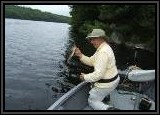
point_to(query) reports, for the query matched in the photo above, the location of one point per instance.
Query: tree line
(18, 12)
(132, 24)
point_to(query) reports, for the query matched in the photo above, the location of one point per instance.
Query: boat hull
(77, 99)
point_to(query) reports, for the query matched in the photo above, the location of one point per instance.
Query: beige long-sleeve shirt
(104, 65)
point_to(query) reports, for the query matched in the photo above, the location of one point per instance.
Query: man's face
(94, 42)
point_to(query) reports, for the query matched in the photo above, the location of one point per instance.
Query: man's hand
(82, 76)
(78, 52)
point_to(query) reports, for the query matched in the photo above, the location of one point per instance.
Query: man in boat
(105, 74)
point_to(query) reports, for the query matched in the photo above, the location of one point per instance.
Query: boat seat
(141, 75)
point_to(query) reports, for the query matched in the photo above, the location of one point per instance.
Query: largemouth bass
(72, 53)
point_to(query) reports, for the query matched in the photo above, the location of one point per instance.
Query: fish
(72, 53)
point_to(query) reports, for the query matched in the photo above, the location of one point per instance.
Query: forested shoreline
(18, 12)
(124, 24)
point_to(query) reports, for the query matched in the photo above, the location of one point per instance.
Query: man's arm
(99, 68)
(84, 59)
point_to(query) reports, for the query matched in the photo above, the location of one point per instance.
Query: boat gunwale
(67, 95)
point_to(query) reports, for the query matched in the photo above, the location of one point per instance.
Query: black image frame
(72, 3)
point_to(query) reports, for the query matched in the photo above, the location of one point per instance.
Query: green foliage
(17, 12)
(82, 13)
(129, 23)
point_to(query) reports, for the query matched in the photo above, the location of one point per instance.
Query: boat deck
(87, 108)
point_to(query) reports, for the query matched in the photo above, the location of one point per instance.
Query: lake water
(34, 56)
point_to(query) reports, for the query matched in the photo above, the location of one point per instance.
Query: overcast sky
(56, 9)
